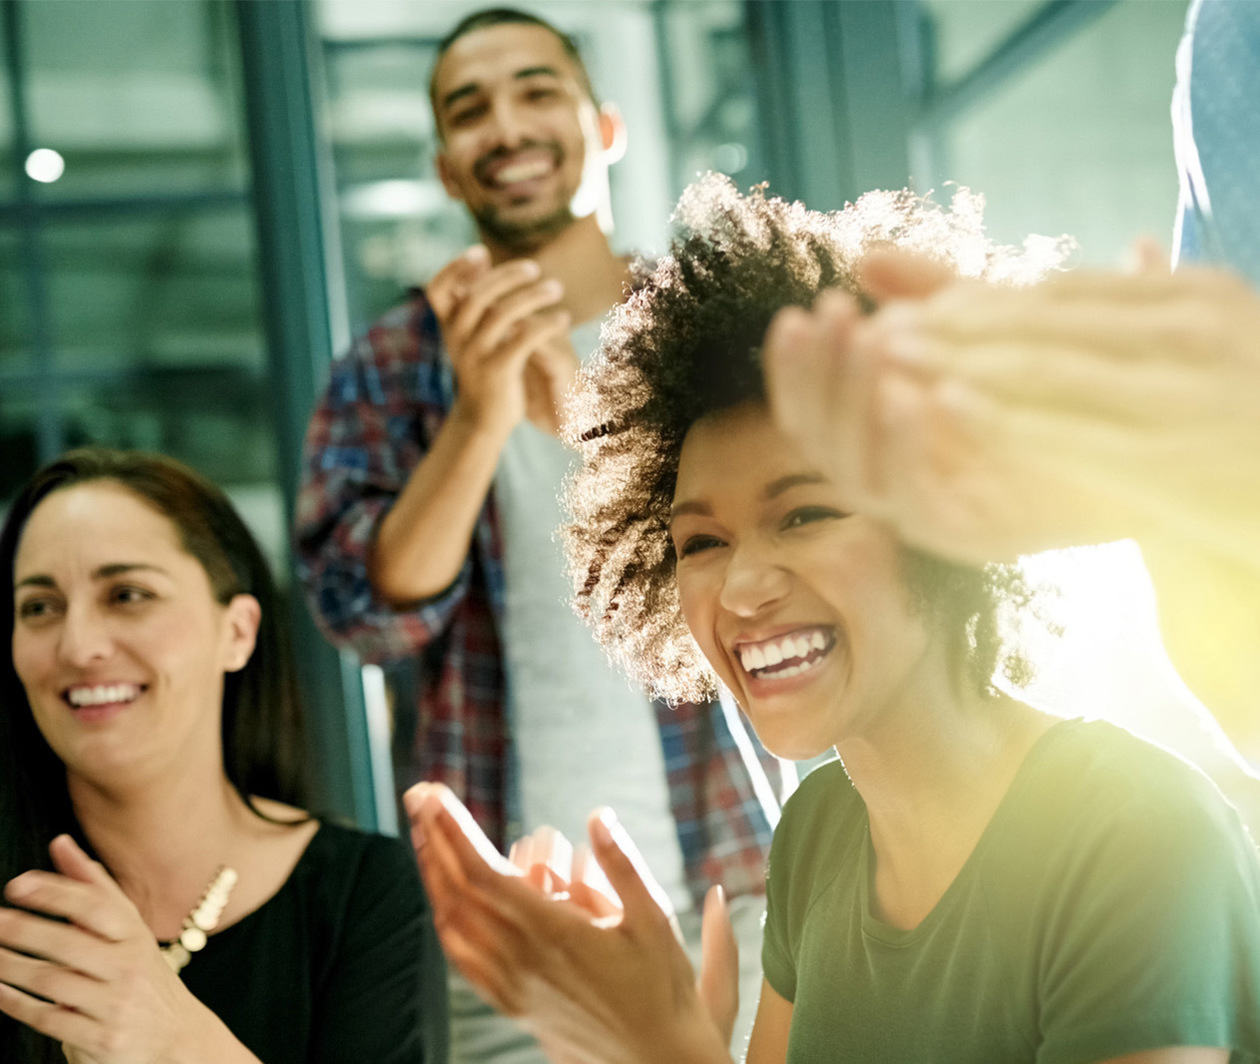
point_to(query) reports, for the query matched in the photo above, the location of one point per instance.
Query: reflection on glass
(139, 98)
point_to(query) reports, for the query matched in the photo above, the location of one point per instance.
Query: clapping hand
(593, 980)
(507, 338)
(96, 982)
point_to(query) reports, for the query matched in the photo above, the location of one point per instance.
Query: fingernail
(530, 268)
(552, 287)
(21, 887)
(477, 254)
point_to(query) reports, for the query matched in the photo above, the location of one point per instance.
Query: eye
(542, 93)
(37, 608)
(466, 115)
(127, 595)
(805, 515)
(696, 544)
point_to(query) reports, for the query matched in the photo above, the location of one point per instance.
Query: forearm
(1209, 611)
(423, 540)
(208, 1041)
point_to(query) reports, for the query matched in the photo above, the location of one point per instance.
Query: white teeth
(102, 694)
(521, 172)
(787, 649)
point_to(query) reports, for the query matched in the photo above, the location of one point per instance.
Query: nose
(85, 637)
(752, 582)
(506, 125)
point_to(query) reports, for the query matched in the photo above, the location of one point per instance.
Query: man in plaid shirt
(425, 518)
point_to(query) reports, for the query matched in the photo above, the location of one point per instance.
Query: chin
(788, 742)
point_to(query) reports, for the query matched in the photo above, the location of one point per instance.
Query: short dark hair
(688, 343)
(263, 734)
(500, 16)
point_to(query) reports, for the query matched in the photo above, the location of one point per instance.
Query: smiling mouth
(93, 697)
(503, 170)
(787, 655)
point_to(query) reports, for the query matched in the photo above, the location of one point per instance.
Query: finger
(1148, 256)
(1049, 376)
(54, 941)
(502, 316)
(1128, 330)
(718, 984)
(484, 293)
(856, 448)
(494, 982)
(642, 897)
(530, 335)
(55, 983)
(57, 1023)
(92, 906)
(1144, 286)
(788, 366)
(892, 273)
(453, 817)
(451, 283)
(596, 893)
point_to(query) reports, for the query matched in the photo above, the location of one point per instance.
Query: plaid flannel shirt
(384, 404)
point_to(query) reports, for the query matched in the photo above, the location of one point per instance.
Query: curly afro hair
(686, 344)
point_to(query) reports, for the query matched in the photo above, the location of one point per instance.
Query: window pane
(138, 97)
(172, 292)
(1080, 142)
(15, 337)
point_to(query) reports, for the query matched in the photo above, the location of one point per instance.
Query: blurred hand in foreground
(985, 421)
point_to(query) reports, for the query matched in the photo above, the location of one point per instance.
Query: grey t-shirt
(584, 736)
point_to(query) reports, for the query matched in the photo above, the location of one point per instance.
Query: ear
(612, 133)
(446, 176)
(243, 616)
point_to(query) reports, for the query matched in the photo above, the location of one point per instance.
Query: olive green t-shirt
(1112, 905)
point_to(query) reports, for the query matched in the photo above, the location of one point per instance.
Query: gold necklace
(203, 919)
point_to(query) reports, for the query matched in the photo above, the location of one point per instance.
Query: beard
(522, 235)
(525, 235)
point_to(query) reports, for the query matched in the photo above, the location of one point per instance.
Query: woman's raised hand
(97, 982)
(610, 989)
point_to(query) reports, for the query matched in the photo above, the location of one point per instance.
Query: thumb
(889, 273)
(69, 859)
(642, 897)
(718, 984)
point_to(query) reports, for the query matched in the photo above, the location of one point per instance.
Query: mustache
(484, 164)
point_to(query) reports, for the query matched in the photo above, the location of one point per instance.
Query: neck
(932, 774)
(581, 259)
(163, 839)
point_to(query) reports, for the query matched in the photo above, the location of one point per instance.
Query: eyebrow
(772, 491)
(471, 87)
(102, 573)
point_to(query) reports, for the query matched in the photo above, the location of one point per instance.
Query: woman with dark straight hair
(167, 897)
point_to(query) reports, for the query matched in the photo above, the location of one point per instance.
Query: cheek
(698, 592)
(31, 655)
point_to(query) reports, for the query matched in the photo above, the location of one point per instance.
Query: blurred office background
(201, 200)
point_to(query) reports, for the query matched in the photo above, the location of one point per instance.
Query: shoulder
(1101, 774)
(1117, 817)
(407, 332)
(347, 874)
(822, 822)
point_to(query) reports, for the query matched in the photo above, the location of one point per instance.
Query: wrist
(478, 424)
(203, 1038)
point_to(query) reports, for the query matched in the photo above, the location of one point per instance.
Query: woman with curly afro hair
(972, 880)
